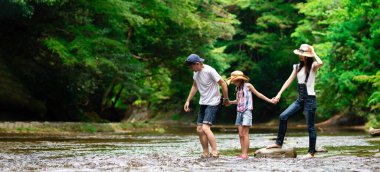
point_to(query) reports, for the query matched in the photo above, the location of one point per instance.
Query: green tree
(346, 33)
(374, 99)
(262, 48)
(92, 60)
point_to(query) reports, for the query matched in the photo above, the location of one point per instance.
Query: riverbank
(77, 127)
(141, 127)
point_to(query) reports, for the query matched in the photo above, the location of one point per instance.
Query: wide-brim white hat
(304, 50)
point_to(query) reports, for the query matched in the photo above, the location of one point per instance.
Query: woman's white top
(301, 76)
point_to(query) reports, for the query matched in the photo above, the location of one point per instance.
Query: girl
(306, 101)
(243, 100)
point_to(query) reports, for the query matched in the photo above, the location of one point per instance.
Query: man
(207, 81)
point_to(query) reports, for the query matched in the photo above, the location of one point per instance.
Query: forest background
(123, 60)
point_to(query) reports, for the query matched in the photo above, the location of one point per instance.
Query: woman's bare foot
(273, 146)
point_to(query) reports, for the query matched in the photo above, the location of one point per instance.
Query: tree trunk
(333, 121)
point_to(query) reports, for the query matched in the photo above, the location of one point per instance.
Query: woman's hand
(312, 49)
(273, 101)
(277, 98)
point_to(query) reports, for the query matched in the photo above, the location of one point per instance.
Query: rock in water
(374, 132)
(321, 149)
(276, 153)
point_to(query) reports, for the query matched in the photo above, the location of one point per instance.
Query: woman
(306, 101)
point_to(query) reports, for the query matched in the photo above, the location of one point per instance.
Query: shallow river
(178, 149)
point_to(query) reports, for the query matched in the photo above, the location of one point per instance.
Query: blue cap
(193, 58)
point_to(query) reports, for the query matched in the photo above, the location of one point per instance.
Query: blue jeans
(306, 103)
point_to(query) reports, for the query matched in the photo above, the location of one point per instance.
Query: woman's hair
(309, 62)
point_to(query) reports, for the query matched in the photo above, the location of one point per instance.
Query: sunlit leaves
(349, 27)
(374, 80)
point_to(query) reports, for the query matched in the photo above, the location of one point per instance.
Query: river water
(178, 149)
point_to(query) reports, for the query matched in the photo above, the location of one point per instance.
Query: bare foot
(206, 155)
(215, 155)
(242, 157)
(273, 146)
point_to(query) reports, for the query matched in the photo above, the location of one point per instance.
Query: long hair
(309, 62)
(240, 87)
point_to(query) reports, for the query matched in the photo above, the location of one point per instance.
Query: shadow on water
(178, 149)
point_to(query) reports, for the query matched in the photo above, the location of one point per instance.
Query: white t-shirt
(207, 84)
(301, 76)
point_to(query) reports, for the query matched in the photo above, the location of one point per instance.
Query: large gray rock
(276, 153)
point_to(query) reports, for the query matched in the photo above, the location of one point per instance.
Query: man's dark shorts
(207, 114)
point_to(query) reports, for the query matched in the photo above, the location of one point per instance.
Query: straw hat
(235, 75)
(304, 50)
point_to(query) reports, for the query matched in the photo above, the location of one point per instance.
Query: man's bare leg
(204, 141)
(211, 138)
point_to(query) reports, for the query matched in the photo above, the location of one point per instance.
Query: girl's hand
(278, 97)
(274, 101)
(227, 103)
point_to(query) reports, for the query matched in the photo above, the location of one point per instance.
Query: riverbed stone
(321, 149)
(374, 132)
(276, 153)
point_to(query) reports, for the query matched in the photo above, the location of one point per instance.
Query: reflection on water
(178, 149)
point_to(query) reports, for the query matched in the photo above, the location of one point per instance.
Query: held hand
(226, 101)
(278, 97)
(186, 107)
(274, 101)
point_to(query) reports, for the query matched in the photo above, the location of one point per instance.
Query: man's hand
(186, 107)
(226, 102)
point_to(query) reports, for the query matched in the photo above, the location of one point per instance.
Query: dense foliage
(77, 60)
(90, 59)
(346, 33)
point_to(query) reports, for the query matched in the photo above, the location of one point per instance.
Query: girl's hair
(241, 83)
(309, 62)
